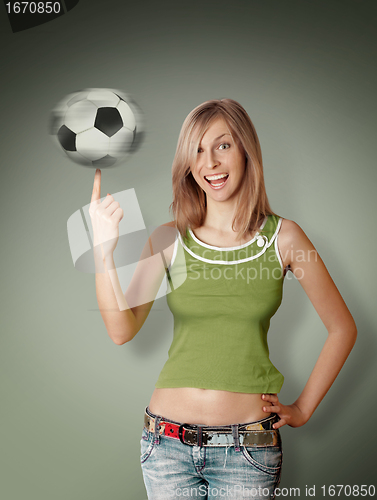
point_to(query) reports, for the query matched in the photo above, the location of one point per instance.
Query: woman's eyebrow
(220, 136)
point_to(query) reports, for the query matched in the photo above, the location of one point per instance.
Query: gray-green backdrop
(71, 400)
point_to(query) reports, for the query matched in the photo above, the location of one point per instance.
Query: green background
(71, 400)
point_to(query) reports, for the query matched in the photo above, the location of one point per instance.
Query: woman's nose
(210, 159)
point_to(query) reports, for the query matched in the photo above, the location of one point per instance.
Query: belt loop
(200, 435)
(156, 430)
(236, 438)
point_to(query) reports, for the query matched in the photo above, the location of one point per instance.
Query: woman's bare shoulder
(290, 230)
(170, 224)
(291, 238)
(163, 239)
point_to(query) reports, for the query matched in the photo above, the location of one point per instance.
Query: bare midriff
(207, 407)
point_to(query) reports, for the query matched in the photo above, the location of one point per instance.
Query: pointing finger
(96, 194)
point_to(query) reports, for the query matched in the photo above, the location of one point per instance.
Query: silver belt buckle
(259, 438)
(219, 439)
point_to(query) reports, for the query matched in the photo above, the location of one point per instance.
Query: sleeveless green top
(222, 300)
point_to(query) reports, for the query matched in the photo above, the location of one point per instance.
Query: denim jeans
(173, 470)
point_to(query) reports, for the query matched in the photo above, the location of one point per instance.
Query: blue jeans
(173, 470)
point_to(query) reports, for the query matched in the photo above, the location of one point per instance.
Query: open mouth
(217, 181)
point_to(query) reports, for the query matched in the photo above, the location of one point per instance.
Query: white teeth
(215, 177)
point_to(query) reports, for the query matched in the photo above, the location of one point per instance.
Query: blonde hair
(189, 200)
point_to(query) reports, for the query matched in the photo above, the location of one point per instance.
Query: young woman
(212, 425)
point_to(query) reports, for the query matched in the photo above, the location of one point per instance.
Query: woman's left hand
(289, 414)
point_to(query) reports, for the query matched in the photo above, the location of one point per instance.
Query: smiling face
(220, 163)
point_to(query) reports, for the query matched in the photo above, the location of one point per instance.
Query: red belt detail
(172, 430)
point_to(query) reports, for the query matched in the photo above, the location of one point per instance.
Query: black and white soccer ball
(96, 127)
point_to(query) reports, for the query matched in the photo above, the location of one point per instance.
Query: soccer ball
(96, 127)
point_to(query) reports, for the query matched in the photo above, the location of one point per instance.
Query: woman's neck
(220, 216)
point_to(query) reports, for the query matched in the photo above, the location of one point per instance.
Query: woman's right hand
(105, 219)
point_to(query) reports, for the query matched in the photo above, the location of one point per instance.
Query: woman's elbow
(350, 333)
(354, 333)
(120, 339)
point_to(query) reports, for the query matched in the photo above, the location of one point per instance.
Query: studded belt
(258, 433)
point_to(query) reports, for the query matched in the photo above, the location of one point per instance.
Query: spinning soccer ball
(96, 127)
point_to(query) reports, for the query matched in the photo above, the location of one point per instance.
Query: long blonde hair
(189, 200)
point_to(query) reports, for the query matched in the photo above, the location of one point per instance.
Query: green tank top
(222, 300)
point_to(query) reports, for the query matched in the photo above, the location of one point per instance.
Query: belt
(258, 433)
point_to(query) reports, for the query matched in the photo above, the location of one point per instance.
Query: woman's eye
(200, 150)
(225, 145)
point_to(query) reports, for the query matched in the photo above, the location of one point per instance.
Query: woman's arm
(299, 254)
(119, 319)
(125, 314)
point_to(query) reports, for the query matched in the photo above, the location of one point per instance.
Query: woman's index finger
(96, 194)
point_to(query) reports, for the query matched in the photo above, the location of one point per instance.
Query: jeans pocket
(267, 459)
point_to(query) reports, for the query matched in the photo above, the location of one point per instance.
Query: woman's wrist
(306, 412)
(103, 259)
